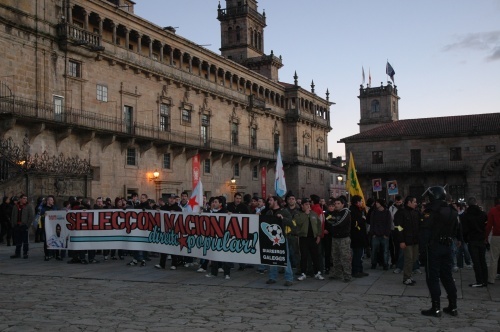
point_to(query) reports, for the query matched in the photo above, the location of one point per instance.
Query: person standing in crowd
(318, 209)
(22, 217)
(394, 249)
(439, 227)
(359, 238)
(380, 230)
(5, 222)
(340, 228)
(277, 211)
(237, 206)
(406, 224)
(473, 222)
(216, 207)
(50, 205)
(171, 206)
(309, 232)
(291, 236)
(493, 227)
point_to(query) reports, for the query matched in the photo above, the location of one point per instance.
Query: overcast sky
(446, 53)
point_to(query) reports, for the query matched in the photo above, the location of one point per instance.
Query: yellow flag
(352, 185)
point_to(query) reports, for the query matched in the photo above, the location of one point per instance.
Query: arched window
(230, 35)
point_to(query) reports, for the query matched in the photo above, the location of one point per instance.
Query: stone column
(86, 20)
(127, 38)
(139, 43)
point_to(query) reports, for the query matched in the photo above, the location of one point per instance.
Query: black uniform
(439, 227)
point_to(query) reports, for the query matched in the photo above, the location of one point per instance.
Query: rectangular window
(164, 117)
(276, 142)
(166, 161)
(236, 169)
(255, 173)
(416, 158)
(131, 157)
(306, 150)
(253, 138)
(186, 116)
(319, 153)
(74, 68)
(455, 154)
(205, 122)
(207, 166)
(377, 157)
(234, 133)
(58, 108)
(128, 117)
(102, 92)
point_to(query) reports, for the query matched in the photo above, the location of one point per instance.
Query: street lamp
(340, 178)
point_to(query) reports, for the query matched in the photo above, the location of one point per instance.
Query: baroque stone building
(461, 152)
(95, 100)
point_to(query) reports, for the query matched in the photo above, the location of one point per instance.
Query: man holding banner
(276, 210)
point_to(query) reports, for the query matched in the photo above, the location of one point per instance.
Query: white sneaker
(455, 269)
(302, 277)
(227, 277)
(173, 267)
(187, 265)
(201, 270)
(397, 271)
(319, 276)
(417, 271)
(468, 267)
(221, 270)
(209, 275)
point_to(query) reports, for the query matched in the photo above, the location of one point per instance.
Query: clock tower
(242, 37)
(378, 106)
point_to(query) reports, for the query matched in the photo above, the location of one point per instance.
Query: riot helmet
(436, 193)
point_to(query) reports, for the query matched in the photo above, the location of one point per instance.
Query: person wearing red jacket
(493, 226)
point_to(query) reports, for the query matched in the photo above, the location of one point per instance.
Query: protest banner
(239, 238)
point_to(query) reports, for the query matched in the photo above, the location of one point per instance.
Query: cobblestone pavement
(110, 296)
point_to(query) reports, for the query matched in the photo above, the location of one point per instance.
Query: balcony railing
(30, 109)
(77, 35)
(240, 10)
(408, 167)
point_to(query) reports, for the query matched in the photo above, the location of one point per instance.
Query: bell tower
(378, 106)
(242, 37)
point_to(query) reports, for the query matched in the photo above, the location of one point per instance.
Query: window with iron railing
(164, 117)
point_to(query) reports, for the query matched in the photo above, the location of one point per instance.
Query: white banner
(219, 237)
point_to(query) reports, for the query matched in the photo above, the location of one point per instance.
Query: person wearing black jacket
(406, 225)
(340, 227)
(473, 227)
(359, 237)
(173, 207)
(438, 228)
(5, 223)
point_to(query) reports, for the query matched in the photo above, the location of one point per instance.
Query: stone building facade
(461, 152)
(94, 99)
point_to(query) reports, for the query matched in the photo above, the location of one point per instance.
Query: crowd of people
(324, 237)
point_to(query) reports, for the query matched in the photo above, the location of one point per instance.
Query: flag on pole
(352, 185)
(390, 71)
(279, 183)
(363, 74)
(369, 78)
(195, 203)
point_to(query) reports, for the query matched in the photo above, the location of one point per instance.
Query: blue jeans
(377, 242)
(273, 270)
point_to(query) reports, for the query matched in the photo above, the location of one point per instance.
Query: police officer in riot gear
(439, 227)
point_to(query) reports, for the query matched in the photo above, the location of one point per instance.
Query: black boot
(434, 311)
(451, 309)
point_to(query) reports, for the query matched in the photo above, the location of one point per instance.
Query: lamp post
(233, 185)
(156, 179)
